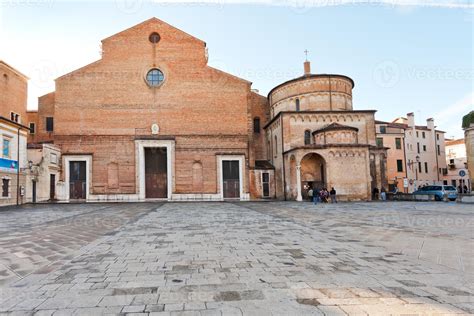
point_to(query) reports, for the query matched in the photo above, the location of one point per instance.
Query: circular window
(154, 37)
(155, 77)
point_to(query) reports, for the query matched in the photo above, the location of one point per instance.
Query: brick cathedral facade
(151, 120)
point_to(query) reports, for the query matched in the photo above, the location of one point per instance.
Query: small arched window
(307, 137)
(297, 103)
(256, 125)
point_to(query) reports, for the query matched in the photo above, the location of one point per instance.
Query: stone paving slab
(270, 258)
(35, 238)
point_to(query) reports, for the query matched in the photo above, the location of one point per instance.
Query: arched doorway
(313, 173)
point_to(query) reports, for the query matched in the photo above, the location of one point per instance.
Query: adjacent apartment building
(13, 135)
(151, 120)
(456, 159)
(468, 126)
(416, 154)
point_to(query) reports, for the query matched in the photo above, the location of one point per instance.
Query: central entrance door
(77, 180)
(156, 173)
(231, 179)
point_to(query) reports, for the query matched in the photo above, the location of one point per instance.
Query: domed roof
(312, 76)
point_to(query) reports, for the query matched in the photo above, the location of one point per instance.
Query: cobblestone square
(254, 258)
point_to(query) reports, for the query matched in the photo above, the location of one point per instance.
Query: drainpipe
(436, 153)
(18, 168)
(283, 156)
(330, 93)
(405, 157)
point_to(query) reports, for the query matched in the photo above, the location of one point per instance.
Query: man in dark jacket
(332, 194)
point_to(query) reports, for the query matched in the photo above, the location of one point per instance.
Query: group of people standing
(322, 195)
(382, 194)
(463, 189)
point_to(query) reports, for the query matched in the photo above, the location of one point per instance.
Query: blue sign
(462, 173)
(8, 165)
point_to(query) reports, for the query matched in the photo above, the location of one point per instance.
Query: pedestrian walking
(332, 194)
(312, 196)
(383, 194)
(324, 194)
(375, 194)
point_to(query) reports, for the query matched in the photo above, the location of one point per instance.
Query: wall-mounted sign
(7, 165)
(462, 173)
(405, 183)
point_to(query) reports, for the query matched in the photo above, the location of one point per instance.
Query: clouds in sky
(318, 3)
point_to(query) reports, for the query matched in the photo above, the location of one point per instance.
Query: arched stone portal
(313, 173)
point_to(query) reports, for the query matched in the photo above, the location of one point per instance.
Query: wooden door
(266, 184)
(52, 187)
(77, 180)
(231, 179)
(156, 173)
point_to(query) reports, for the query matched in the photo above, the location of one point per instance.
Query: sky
(404, 56)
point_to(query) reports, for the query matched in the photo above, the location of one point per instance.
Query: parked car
(441, 192)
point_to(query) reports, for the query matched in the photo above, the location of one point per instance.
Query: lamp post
(416, 168)
(417, 158)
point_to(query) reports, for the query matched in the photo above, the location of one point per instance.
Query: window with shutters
(5, 188)
(49, 124)
(256, 125)
(400, 165)
(398, 143)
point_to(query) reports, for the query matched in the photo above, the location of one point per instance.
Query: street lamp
(417, 158)
(416, 168)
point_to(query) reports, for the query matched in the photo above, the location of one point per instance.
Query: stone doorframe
(67, 160)
(140, 146)
(241, 160)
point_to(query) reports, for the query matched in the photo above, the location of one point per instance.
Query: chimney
(411, 119)
(307, 68)
(430, 124)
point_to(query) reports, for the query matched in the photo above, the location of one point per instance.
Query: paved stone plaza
(237, 259)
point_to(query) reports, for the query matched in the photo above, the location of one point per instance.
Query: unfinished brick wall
(101, 108)
(46, 105)
(13, 92)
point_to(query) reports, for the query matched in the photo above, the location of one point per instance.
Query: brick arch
(313, 170)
